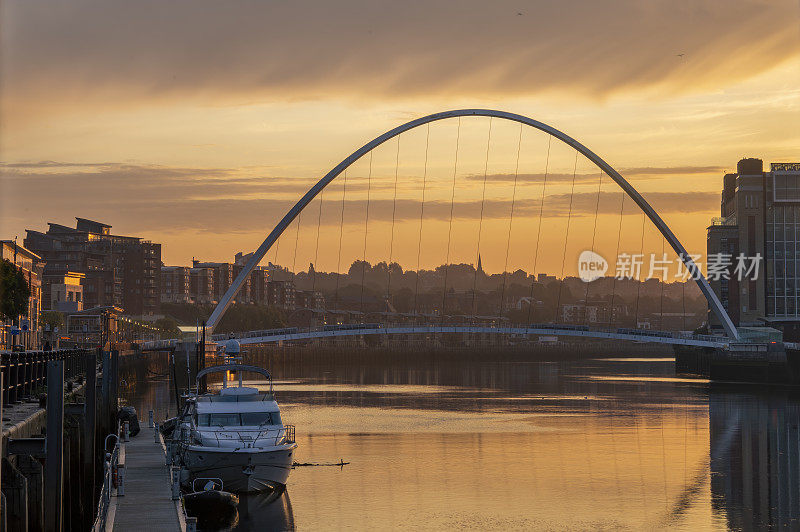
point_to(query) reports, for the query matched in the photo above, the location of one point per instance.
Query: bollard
(191, 524)
(155, 432)
(126, 431)
(168, 454)
(176, 485)
(120, 480)
(150, 422)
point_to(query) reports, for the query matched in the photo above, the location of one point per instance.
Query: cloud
(640, 173)
(115, 52)
(163, 199)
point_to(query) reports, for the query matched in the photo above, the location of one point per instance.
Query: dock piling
(54, 468)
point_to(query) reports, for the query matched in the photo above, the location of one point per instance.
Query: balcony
(728, 220)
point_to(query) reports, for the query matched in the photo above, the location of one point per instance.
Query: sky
(198, 124)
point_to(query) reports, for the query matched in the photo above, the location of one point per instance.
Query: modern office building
(759, 217)
(120, 271)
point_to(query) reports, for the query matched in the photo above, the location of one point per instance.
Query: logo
(591, 266)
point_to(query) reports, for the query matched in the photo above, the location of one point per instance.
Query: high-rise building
(175, 284)
(760, 218)
(121, 271)
(254, 288)
(223, 274)
(201, 285)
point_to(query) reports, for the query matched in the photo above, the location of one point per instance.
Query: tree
(14, 291)
(53, 318)
(168, 327)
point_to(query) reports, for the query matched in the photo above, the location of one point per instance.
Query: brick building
(121, 271)
(175, 284)
(31, 266)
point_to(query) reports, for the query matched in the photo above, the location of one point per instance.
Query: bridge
(435, 324)
(296, 335)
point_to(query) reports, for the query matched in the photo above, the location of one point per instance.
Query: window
(244, 419)
(261, 418)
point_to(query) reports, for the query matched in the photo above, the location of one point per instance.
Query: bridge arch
(694, 270)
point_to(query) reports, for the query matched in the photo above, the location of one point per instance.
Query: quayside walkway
(147, 503)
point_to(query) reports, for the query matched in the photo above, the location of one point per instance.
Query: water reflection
(271, 511)
(509, 442)
(755, 458)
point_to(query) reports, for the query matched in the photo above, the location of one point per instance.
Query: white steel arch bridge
(714, 303)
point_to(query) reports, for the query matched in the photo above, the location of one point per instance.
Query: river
(492, 442)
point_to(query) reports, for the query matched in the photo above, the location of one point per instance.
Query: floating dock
(147, 502)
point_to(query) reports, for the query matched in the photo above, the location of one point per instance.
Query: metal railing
(289, 438)
(110, 481)
(251, 438)
(25, 371)
(291, 334)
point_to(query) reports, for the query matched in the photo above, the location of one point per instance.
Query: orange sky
(196, 124)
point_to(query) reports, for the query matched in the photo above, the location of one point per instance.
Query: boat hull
(241, 471)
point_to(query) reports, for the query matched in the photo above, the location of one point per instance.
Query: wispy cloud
(561, 177)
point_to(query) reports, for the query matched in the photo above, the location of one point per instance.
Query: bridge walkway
(147, 503)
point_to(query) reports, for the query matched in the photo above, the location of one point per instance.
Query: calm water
(509, 443)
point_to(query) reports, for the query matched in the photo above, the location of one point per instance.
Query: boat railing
(289, 435)
(284, 435)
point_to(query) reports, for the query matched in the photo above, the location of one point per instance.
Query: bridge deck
(634, 335)
(147, 503)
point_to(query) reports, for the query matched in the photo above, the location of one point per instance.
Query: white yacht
(235, 435)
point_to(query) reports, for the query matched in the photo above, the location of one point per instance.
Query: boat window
(234, 420)
(260, 418)
(218, 420)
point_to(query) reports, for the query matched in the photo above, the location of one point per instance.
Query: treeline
(236, 318)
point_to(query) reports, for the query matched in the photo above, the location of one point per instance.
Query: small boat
(213, 507)
(235, 434)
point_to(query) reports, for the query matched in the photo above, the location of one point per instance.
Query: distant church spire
(480, 267)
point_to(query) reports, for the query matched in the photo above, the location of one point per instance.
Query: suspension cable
(510, 222)
(683, 300)
(566, 234)
(394, 211)
(366, 233)
(316, 245)
(614, 281)
(450, 227)
(661, 318)
(539, 229)
(296, 240)
(639, 279)
(480, 223)
(339, 259)
(421, 214)
(275, 258)
(594, 235)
